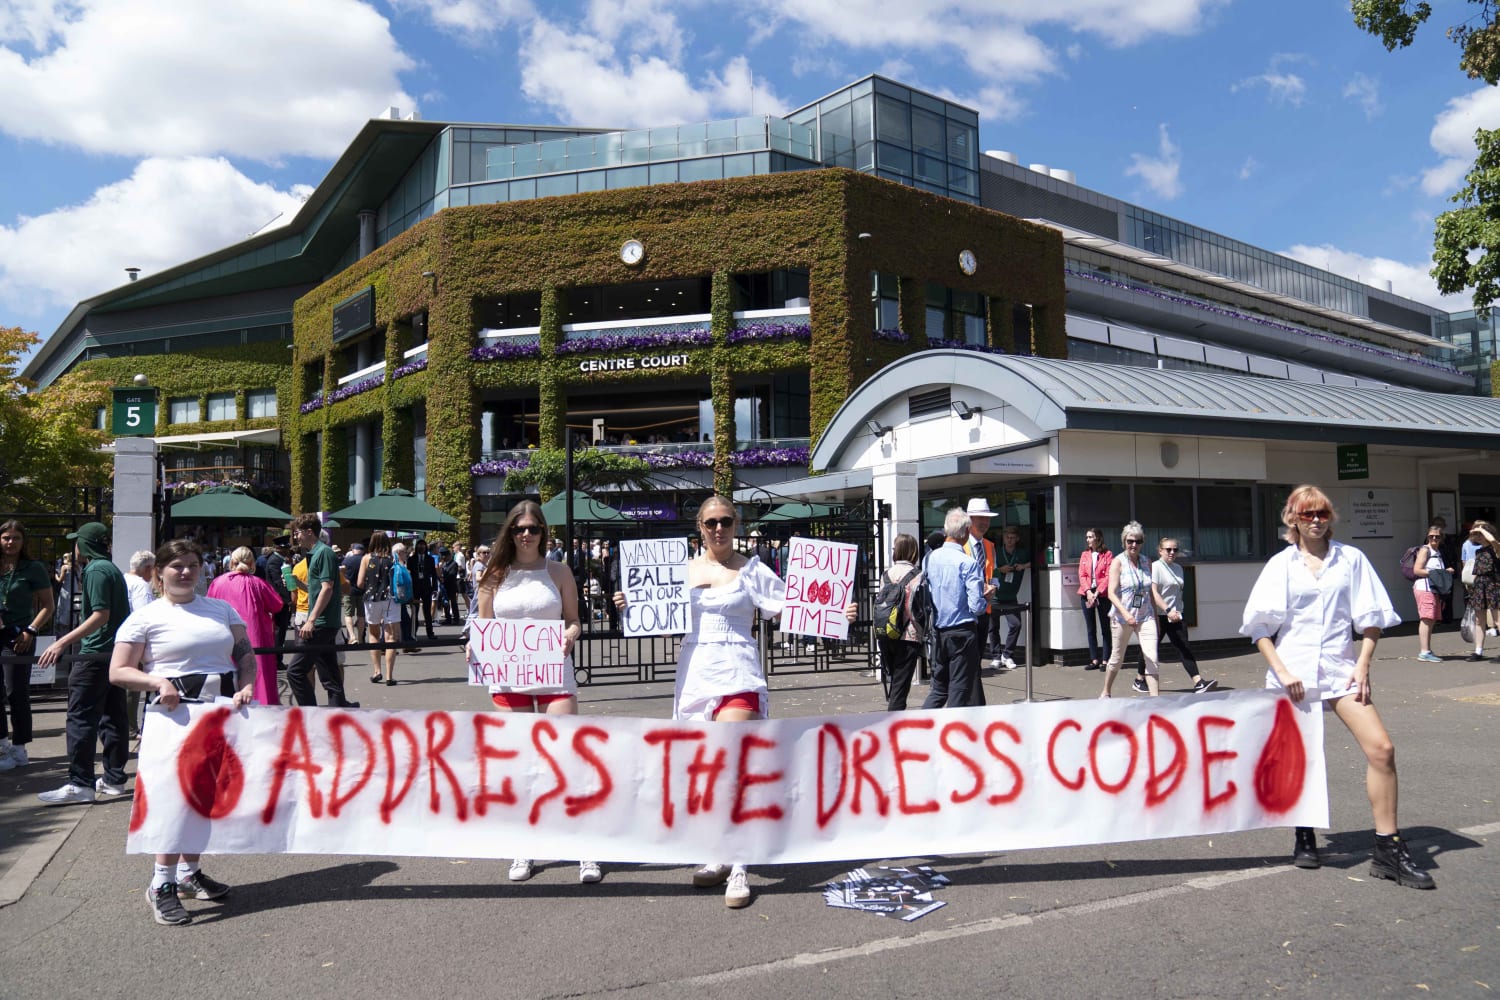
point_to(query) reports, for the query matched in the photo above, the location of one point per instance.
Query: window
(1225, 522)
(221, 406)
(182, 410)
(1102, 507)
(1165, 511)
(261, 403)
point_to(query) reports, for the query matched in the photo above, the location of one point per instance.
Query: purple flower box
(770, 331)
(498, 467)
(505, 352)
(892, 336)
(410, 368)
(675, 337)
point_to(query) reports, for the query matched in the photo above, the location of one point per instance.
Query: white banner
(522, 653)
(819, 585)
(653, 577)
(491, 785)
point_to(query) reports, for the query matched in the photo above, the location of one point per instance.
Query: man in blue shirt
(959, 597)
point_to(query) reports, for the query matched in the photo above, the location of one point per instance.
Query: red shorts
(747, 700)
(1429, 605)
(525, 702)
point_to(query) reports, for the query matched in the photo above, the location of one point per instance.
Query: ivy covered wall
(839, 225)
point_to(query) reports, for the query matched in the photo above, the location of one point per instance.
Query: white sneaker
(520, 870)
(68, 795)
(7, 755)
(105, 790)
(18, 757)
(588, 871)
(1008, 663)
(737, 892)
(710, 875)
(1492, 632)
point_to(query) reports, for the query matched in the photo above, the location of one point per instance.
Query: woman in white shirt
(1168, 577)
(190, 646)
(1300, 614)
(1429, 599)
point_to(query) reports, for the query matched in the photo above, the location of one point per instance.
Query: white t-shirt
(191, 638)
(140, 591)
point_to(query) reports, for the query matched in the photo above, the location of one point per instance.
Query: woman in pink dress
(256, 601)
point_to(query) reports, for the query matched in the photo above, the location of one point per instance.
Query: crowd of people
(160, 631)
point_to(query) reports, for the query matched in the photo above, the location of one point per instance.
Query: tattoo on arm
(244, 658)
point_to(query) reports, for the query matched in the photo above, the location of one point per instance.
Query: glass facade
(880, 127)
(1475, 340)
(1280, 275)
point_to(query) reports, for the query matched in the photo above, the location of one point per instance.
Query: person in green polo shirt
(96, 708)
(321, 630)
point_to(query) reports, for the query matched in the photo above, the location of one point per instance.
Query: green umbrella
(396, 508)
(227, 504)
(585, 508)
(798, 511)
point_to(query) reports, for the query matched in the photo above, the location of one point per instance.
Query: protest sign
(517, 653)
(653, 577)
(819, 584)
(488, 785)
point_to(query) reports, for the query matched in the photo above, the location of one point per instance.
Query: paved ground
(1192, 917)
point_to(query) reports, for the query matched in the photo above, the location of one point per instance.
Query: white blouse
(719, 657)
(1314, 619)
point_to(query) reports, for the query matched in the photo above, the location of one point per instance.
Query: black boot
(1393, 861)
(1305, 853)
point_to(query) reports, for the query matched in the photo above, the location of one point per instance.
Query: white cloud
(1452, 138)
(1410, 280)
(583, 78)
(1248, 168)
(1365, 91)
(153, 219)
(468, 18)
(1161, 173)
(1282, 86)
(257, 78)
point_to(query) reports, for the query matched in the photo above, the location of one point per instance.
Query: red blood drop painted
(1282, 767)
(138, 807)
(208, 769)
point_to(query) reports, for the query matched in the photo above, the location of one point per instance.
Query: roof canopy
(1076, 395)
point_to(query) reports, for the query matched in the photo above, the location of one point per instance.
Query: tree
(48, 444)
(1466, 240)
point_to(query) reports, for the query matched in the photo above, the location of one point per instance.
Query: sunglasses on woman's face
(1322, 514)
(526, 529)
(1134, 541)
(715, 523)
(1169, 548)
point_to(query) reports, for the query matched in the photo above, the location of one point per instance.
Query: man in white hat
(982, 550)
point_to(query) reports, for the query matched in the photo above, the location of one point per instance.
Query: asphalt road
(1191, 917)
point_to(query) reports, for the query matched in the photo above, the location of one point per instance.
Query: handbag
(1468, 573)
(1440, 580)
(1466, 627)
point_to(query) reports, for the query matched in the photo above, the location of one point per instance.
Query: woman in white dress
(719, 674)
(1300, 614)
(190, 647)
(519, 581)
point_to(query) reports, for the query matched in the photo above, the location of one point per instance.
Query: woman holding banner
(519, 581)
(189, 647)
(1300, 612)
(719, 674)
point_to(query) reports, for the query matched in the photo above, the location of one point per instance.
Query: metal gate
(604, 655)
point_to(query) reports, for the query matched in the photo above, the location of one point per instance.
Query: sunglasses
(1169, 548)
(1438, 537)
(715, 523)
(1322, 514)
(1135, 541)
(525, 529)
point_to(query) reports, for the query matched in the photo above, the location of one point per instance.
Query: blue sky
(143, 134)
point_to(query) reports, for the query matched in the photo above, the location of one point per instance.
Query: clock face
(967, 262)
(632, 252)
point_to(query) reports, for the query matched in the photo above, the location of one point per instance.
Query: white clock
(633, 252)
(967, 262)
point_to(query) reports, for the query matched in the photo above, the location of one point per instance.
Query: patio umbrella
(229, 505)
(396, 508)
(585, 508)
(798, 511)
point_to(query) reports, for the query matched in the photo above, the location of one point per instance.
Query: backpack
(401, 583)
(921, 608)
(378, 579)
(891, 613)
(1409, 562)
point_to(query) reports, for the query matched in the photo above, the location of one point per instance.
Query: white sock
(161, 876)
(186, 870)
